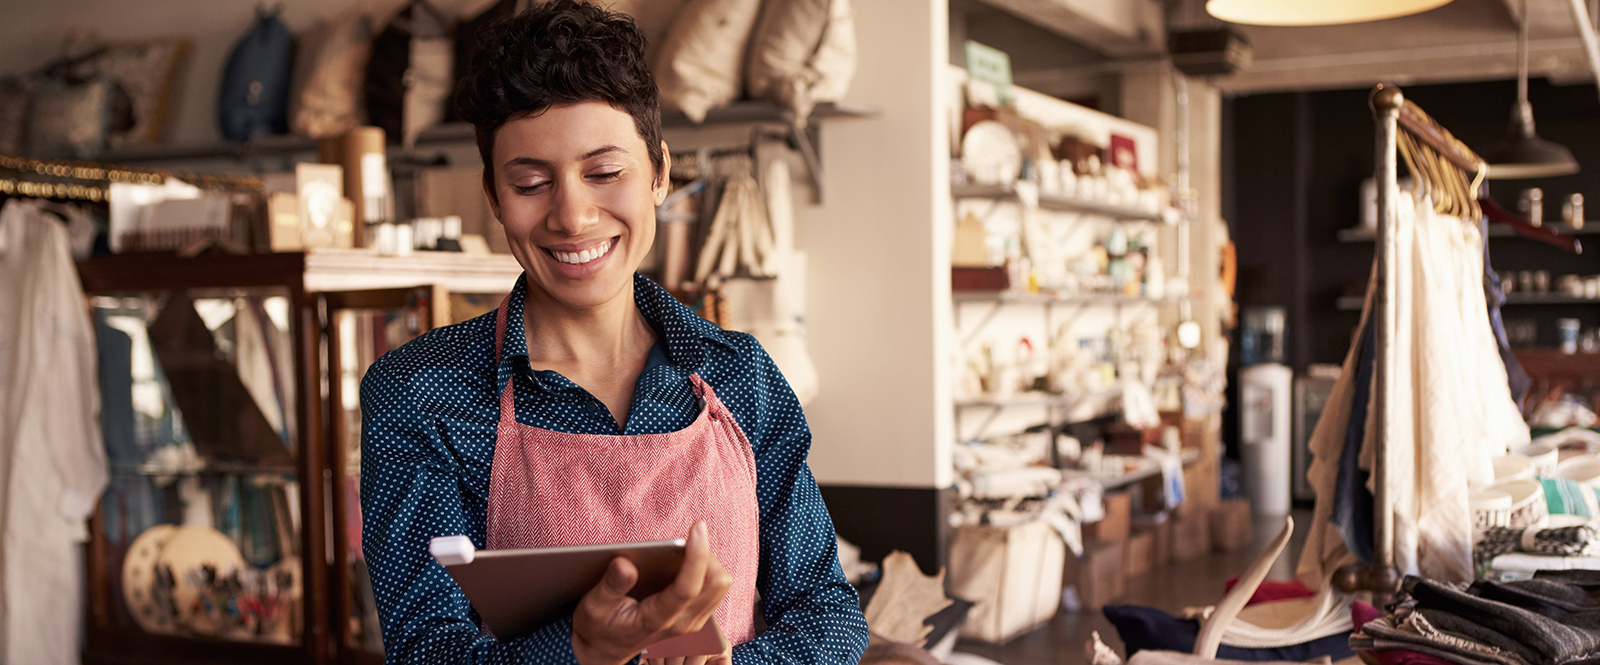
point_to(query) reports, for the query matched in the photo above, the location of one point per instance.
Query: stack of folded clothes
(1553, 619)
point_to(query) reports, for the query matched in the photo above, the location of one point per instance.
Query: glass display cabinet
(230, 530)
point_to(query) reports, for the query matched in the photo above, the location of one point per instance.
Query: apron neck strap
(508, 403)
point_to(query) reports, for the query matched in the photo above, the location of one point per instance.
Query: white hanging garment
(1449, 405)
(774, 309)
(52, 460)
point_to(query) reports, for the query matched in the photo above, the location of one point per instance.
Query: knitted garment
(1564, 541)
(1543, 622)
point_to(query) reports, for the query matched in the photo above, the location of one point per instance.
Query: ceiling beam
(1116, 28)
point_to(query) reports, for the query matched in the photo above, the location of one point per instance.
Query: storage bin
(1011, 574)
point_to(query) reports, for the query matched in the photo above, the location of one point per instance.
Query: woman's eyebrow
(531, 161)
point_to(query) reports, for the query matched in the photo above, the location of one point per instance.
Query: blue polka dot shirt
(429, 410)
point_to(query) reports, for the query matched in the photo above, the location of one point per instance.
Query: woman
(592, 407)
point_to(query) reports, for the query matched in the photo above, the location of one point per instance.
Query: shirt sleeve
(813, 614)
(410, 493)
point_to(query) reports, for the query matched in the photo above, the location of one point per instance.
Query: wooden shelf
(1550, 365)
(1359, 235)
(1188, 455)
(1058, 203)
(322, 269)
(457, 132)
(1051, 399)
(1354, 303)
(1050, 298)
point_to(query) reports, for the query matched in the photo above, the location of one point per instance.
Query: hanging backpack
(253, 99)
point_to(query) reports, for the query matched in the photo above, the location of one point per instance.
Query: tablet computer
(516, 591)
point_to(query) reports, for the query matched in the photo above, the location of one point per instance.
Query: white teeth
(585, 256)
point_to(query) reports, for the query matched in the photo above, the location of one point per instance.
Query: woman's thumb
(620, 577)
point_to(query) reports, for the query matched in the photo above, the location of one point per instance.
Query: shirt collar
(683, 332)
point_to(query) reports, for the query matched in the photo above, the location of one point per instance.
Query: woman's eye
(608, 175)
(529, 188)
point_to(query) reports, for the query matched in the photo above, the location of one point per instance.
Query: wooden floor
(1171, 588)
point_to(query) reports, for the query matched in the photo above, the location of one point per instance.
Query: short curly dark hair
(556, 53)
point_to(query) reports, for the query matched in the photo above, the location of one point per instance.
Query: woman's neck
(592, 339)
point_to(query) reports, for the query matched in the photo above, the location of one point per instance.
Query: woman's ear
(489, 193)
(663, 183)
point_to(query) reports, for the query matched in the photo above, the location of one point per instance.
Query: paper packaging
(1114, 526)
(325, 215)
(1231, 525)
(1139, 557)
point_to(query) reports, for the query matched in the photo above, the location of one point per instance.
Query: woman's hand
(610, 628)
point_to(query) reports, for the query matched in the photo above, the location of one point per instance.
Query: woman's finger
(713, 587)
(665, 608)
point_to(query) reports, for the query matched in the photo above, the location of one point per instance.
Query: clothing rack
(1453, 173)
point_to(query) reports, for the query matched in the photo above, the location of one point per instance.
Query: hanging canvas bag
(409, 74)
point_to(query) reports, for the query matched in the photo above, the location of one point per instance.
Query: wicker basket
(1528, 508)
(1490, 508)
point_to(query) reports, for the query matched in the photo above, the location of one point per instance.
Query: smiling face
(576, 192)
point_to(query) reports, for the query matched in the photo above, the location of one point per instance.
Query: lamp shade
(1529, 157)
(1316, 12)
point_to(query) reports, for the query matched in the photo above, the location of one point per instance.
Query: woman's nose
(574, 209)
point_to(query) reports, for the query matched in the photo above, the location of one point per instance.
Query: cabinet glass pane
(201, 521)
(362, 335)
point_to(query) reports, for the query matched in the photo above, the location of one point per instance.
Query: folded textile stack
(1553, 618)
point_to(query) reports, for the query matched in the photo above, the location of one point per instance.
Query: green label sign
(990, 65)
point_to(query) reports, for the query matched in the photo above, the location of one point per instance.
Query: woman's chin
(587, 292)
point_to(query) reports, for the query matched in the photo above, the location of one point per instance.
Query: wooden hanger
(1522, 227)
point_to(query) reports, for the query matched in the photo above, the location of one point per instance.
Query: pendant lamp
(1523, 154)
(1316, 12)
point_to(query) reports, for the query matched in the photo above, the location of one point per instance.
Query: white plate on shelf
(990, 154)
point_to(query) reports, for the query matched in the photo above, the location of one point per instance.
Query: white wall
(879, 301)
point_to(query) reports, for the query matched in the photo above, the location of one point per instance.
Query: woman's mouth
(583, 256)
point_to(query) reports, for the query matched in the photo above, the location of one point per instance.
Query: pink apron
(553, 489)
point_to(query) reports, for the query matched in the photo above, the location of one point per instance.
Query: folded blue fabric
(1149, 628)
(1566, 497)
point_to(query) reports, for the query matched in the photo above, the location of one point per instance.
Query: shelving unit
(1048, 300)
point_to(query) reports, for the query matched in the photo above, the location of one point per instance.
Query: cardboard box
(1098, 575)
(1140, 553)
(1113, 528)
(1011, 574)
(1191, 535)
(1231, 525)
(1159, 528)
